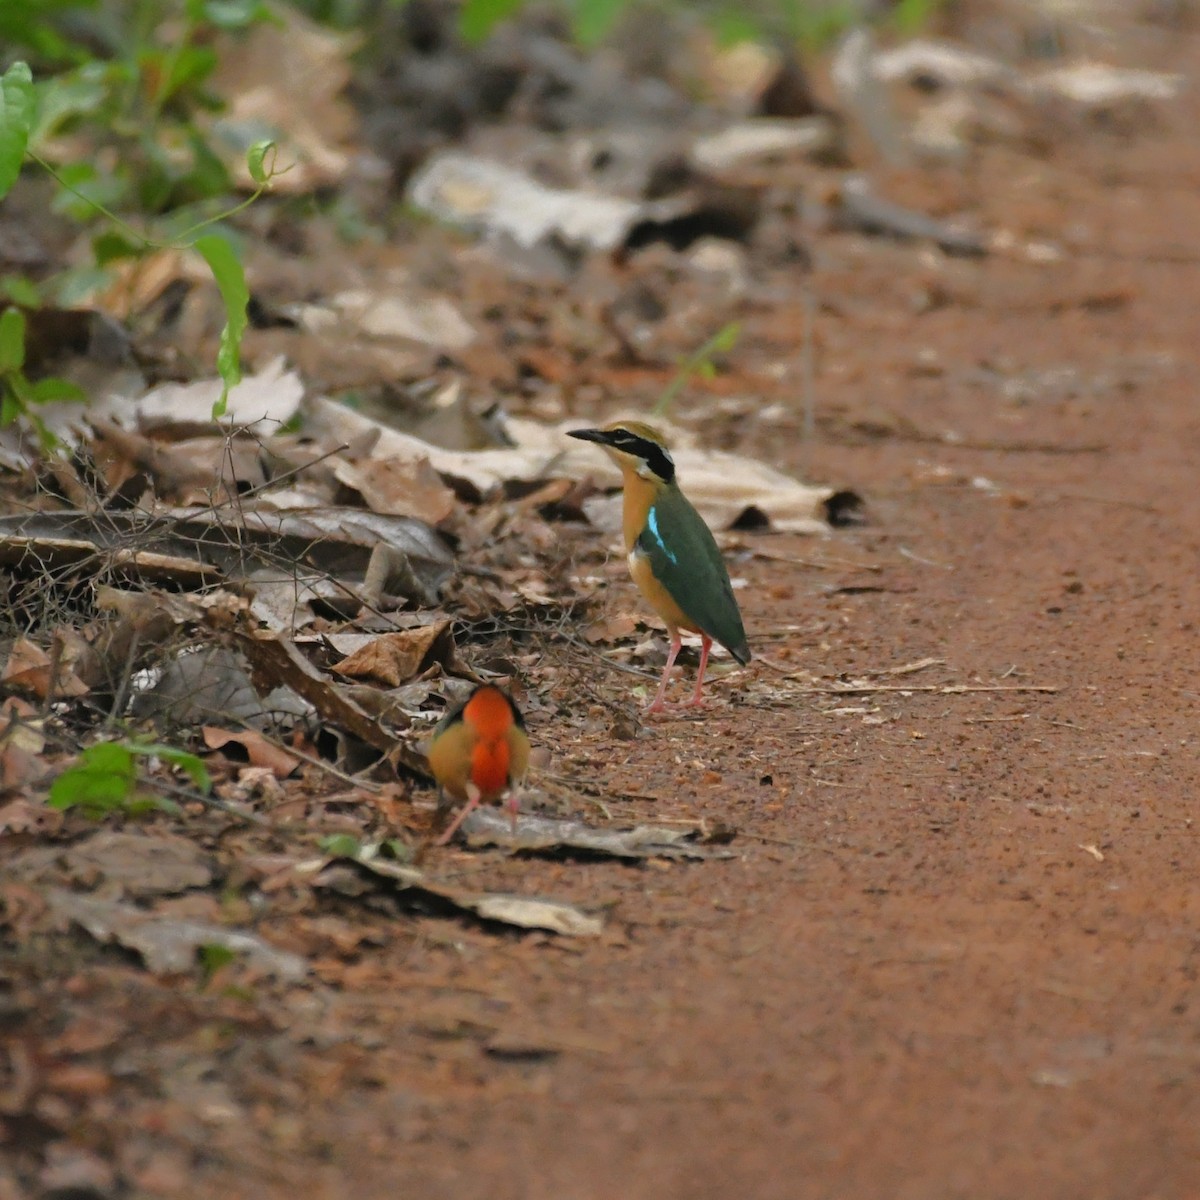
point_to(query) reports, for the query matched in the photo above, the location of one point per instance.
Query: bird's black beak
(599, 436)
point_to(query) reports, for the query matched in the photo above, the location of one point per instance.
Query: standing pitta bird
(672, 554)
(479, 752)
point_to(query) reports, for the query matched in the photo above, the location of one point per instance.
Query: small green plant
(106, 777)
(699, 362)
(27, 114)
(911, 16)
(811, 23)
(18, 396)
(213, 956)
(346, 845)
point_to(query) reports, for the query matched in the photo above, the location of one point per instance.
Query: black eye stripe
(656, 457)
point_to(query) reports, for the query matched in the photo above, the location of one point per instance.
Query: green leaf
(111, 245)
(398, 850)
(21, 290)
(183, 759)
(227, 270)
(259, 171)
(910, 15)
(101, 781)
(477, 18)
(16, 119)
(340, 845)
(81, 93)
(213, 956)
(725, 338)
(229, 14)
(179, 69)
(46, 390)
(78, 285)
(594, 19)
(12, 340)
(731, 26)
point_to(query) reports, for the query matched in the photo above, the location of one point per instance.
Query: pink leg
(705, 647)
(656, 705)
(473, 798)
(514, 806)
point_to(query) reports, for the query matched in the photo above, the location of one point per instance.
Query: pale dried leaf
(763, 138)
(491, 827)
(486, 196)
(431, 320)
(139, 864)
(520, 911)
(723, 486)
(261, 402)
(943, 63)
(168, 946)
(1098, 85)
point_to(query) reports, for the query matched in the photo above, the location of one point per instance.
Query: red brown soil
(955, 953)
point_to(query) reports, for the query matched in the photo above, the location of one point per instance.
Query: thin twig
(275, 480)
(197, 797)
(320, 764)
(808, 375)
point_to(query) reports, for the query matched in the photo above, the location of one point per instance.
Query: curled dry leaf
(21, 744)
(395, 658)
(764, 138)
(398, 488)
(195, 547)
(258, 750)
(30, 668)
(279, 663)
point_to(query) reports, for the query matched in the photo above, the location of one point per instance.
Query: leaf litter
(319, 580)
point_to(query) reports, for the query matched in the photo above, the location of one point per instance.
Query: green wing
(685, 559)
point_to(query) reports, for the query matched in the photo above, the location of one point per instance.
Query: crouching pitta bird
(479, 752)
(673, 556)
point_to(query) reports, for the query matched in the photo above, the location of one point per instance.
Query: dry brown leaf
(29, 668)
(399, 489)
(139, 281)
(22, 815)
(260, 751)
(611, 629)
(395, 658)
(275, 662)
(288, 78)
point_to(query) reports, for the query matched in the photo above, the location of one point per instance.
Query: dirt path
(963, 960)
(955, 950)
